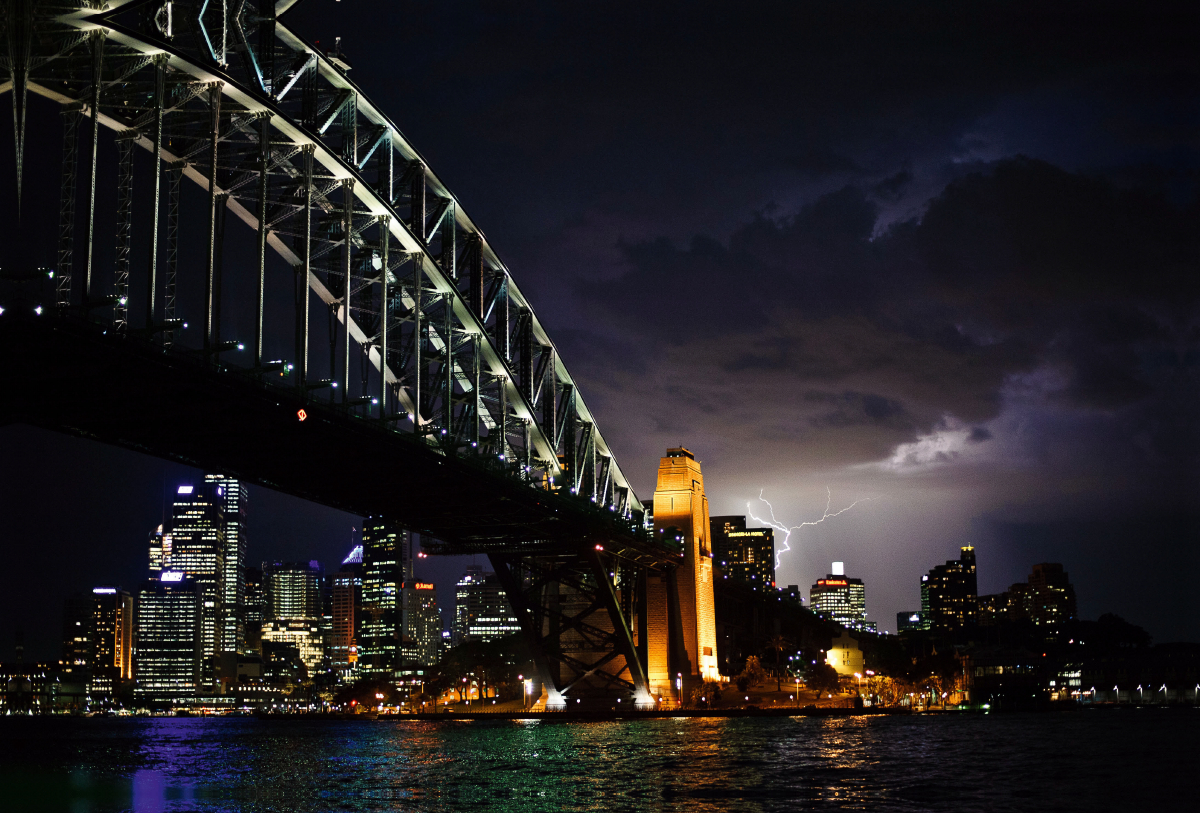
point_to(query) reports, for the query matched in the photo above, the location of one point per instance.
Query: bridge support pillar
(681, 511)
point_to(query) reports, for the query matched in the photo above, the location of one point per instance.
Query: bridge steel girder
(131, 53)
(578, 623)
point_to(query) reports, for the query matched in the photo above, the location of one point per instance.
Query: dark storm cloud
(1022, 273)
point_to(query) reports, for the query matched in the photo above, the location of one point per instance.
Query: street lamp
(679, 688)
(797, 694)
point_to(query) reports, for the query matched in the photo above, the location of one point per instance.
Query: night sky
(941, 258)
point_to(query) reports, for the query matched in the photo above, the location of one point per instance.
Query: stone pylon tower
(680, 603)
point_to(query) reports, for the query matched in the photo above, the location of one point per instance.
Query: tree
(778, 644)
(752, 673)
(822, 677)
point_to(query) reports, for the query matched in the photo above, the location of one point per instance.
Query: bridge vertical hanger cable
(385, 237)
(20, 47)
(347, 231)
(160, 79)
(175, 180)
(97, 67)
(66, 211)
(264, 155)
(124, 229)
(214, 100)
(418, 344)
(302, 310)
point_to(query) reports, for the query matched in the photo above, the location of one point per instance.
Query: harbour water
(1128, 759)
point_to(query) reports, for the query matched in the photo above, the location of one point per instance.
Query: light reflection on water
(1080, 761)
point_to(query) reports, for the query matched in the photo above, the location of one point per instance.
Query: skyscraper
(160, 551)
(345, 603)
(423, 621)
(112, 642)
(841, 598)
(949, 596)
(197, 532)
(292, 590)
(743, 553)
(481, 610)
(254, 608)
(169, 627)
(77, 636)
(233, 494)
(381, 626)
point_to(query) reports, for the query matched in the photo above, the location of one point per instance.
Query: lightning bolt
(787, 532)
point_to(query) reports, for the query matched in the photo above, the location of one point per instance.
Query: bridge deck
(69, 375)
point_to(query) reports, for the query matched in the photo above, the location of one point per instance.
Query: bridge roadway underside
(69, 375)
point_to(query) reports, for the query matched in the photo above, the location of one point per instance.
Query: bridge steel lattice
(445, 404)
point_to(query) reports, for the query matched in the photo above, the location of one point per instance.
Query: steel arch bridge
(442, 402)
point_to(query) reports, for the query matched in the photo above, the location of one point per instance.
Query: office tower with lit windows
(381, 625)
(743, 553)
(197, 531)
(77, 636)
(423, 621)
(949, 596)
(111, 644)
(170, 642)
(233, 494)
(292, 590)
(841, 598)
(481, 611)
(343, 642)
(254, 612)
(345, 603)
(160, 551)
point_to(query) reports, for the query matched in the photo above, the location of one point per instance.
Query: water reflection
(939, 764)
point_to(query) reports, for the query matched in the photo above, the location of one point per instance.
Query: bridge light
(50, 273)
(38, 310)
(301, 414)
(123, 300)
(599, 547)
(374, 400)
(241, 346)
(334, 385)
(185, 325)
(1, 311)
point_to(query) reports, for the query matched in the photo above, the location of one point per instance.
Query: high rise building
(423, 621)
(292, 590)
(911, 622)
(254, 608)
(743, 553)
(345, 602)
(304, 634)
(481, 610)
(1047, 599)
(197, 532)
(841, 598)
(77, 636)
(343, 643)
(949, 596)
(169, 624)
(112, 642)
(233, 494)
(160, 551)
(381, 626)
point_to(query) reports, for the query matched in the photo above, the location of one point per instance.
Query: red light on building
(422, 585)
(833, 582)
(301, 414)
